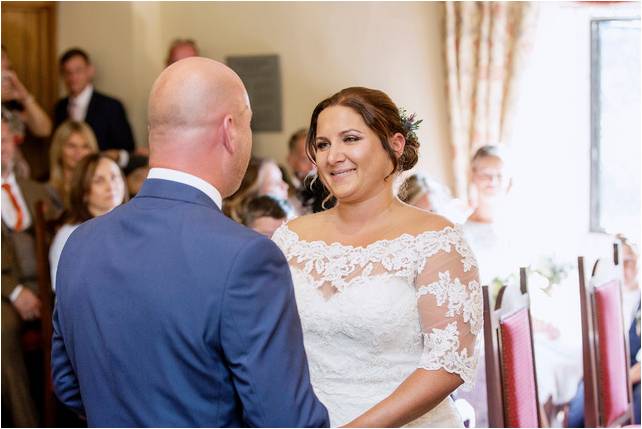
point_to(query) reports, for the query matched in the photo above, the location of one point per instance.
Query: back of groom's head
(199, 122)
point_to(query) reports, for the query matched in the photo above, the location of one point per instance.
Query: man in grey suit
(168, 313)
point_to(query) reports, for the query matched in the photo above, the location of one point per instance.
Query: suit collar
(171, 190)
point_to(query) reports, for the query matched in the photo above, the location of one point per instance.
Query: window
(615, 126)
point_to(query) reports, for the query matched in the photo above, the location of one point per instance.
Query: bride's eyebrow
(351, 130)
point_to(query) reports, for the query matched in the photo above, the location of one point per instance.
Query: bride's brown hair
(380, 114)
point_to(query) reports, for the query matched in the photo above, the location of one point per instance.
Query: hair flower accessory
(410, 123)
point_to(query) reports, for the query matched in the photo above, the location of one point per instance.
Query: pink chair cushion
(612, 359)
(520, 398)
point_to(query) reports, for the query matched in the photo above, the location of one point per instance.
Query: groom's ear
(229, 134)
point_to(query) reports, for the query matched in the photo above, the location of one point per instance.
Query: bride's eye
(321, 145)
(350, 139)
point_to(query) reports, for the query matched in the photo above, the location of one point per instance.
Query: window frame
(595, 218)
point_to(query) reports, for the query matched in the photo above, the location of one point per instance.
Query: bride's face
(350, 158)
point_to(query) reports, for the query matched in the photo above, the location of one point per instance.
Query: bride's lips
(341, 173)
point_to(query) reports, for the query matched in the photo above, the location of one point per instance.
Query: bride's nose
(336, 154)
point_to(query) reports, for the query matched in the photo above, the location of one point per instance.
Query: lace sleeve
(449, 302)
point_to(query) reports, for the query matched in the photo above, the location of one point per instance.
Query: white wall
(323, 47)
(551, 136)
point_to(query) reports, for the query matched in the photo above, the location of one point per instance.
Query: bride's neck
(357, 214)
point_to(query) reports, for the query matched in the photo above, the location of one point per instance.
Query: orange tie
(14, 201)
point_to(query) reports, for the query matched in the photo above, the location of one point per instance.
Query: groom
(168, 313)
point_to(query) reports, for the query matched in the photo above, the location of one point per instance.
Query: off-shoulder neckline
(404, 236)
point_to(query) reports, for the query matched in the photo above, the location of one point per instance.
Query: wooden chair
(511, 381)
(607, 392)
(44, 230)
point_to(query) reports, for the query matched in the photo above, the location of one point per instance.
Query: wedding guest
(298, 161)
(104, 114)
(428, 194)
(264, 214)
(179, 49)
(71, 142)
(35, 123)
(263, 177)
(630, 269)
(390, 288)
(96, 187)
(18, 99)
(270, 180)
(20, 302)
(233, 205)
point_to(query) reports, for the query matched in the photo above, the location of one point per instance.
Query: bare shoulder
(308, 226)
(419, 221)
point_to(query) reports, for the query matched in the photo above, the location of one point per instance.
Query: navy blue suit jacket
(107, 118)
(170, 314)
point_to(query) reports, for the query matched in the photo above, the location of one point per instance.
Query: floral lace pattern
(398, 305)
(466, 300)
(406, 255)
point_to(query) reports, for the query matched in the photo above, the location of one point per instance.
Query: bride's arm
(419, 393)
(449, 306)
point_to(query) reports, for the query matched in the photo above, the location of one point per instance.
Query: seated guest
(631, 289)
(234, 204)
(263, 177)
(264, 214)
(20, 302)
(270, 180)
(71, 142)
(428, 194)
(298, 162)
(105, 115)
(181, 48)
(97, 187)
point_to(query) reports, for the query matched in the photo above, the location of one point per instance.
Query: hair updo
(380, 114)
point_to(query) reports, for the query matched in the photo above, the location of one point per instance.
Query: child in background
(264, 214)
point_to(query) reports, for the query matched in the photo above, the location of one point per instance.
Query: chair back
(607, 393)
(44, 230)
(511, 380)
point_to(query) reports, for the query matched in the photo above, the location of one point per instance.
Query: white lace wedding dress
(372, 315)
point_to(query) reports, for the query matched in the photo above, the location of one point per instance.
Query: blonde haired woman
(71, 142)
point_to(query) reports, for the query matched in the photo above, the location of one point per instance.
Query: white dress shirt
(79, 104)
(56, 249)
(9, 212)
(187, 179)
(10, 215)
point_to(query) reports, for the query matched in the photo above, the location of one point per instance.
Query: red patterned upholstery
(520, 398)
(612, 360)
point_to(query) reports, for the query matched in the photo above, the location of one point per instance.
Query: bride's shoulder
(306, 226)
(420, 221)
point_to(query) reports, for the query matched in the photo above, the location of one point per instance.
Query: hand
(14, 89)
(28, 305)
(112, 153)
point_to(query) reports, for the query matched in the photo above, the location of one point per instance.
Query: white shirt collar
(11, 180)
(187, 179)
(83, 98)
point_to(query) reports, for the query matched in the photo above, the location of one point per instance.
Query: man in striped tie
(20, 302)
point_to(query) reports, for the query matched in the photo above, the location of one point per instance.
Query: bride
(388, 294)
